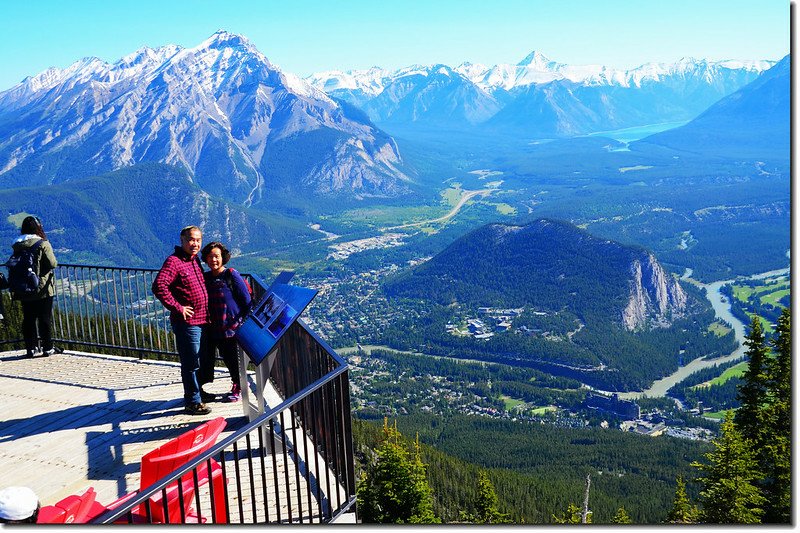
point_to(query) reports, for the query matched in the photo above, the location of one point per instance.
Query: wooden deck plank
(74, 420)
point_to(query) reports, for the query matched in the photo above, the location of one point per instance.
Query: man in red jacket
(179, 285)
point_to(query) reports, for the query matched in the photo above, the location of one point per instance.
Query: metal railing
(105, 309)
(293, 464)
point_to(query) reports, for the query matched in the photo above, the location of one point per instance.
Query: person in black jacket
(228, 298)
(37, 308)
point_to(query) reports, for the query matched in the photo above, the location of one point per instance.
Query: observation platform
(80, 419)
(77, 420)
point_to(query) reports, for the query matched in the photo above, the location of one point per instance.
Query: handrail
(145, 494)
(112, 308)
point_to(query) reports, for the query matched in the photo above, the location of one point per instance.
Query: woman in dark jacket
(228, 298)
(37, 308)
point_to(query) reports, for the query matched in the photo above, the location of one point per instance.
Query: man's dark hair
(186, 232)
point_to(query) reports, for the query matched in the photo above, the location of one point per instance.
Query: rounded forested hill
(548, 265)
(595, 310)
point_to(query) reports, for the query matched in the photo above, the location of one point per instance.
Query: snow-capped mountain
(542, 97)
(433, 95)
(243, 128)
(753, 120)
(536, 68)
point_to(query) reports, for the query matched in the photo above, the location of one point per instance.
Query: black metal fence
(294, 464)
(103, 309)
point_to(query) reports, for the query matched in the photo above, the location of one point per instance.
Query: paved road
(465, 197)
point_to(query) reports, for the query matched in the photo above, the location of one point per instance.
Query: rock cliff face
(655, 297)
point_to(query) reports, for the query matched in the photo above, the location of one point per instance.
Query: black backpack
(23, 271)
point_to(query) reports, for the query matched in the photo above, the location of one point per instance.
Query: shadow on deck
(77, 419)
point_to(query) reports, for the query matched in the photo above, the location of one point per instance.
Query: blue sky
(306, 36)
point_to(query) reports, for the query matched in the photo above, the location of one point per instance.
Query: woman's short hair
(226, 255)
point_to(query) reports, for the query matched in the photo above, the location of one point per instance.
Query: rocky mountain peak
(220, 110)
(536, 59)
(223, 39)
(655, 297)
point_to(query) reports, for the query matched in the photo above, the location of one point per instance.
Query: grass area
(505, 209)
(769, 293)
(742, 293)
(17, 218)
(719, 415)
(773, 297)
(452, 195)
(539, 411)
(428, 230)
(719, 329)
(765, 325)
(510, 403)
(388, 215)
(732, 372)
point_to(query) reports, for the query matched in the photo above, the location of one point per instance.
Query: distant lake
(627, 135)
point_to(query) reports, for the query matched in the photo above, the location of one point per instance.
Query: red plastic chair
(50, 514)
(72, 509)
(156, 464)
(139, 514)
(172, 455)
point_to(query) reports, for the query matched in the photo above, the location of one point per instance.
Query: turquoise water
(627, 135)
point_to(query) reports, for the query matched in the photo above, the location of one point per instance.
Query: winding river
(722, 308)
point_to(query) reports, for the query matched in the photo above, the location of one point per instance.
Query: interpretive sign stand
(261, 330)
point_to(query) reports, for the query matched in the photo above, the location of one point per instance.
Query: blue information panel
(270, 317)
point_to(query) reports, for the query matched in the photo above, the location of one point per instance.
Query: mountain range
(754, 120)
(249, 133)
(251, 141)
(242, 128)
(131, 216)
(539, 97)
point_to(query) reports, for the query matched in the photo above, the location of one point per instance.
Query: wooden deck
(75, 420)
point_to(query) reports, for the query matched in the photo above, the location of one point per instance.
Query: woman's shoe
(235, 394)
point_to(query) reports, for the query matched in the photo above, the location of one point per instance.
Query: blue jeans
(187, 339)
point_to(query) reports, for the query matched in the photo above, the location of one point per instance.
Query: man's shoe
(207, 397)
(48, 353)
(197, 409)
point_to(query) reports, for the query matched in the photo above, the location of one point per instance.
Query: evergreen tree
(572, 516)
(683, 511)
(395, 490)
(730, 495)
(777, 466)
(621, 517)
(753, 391)
(486, 507)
